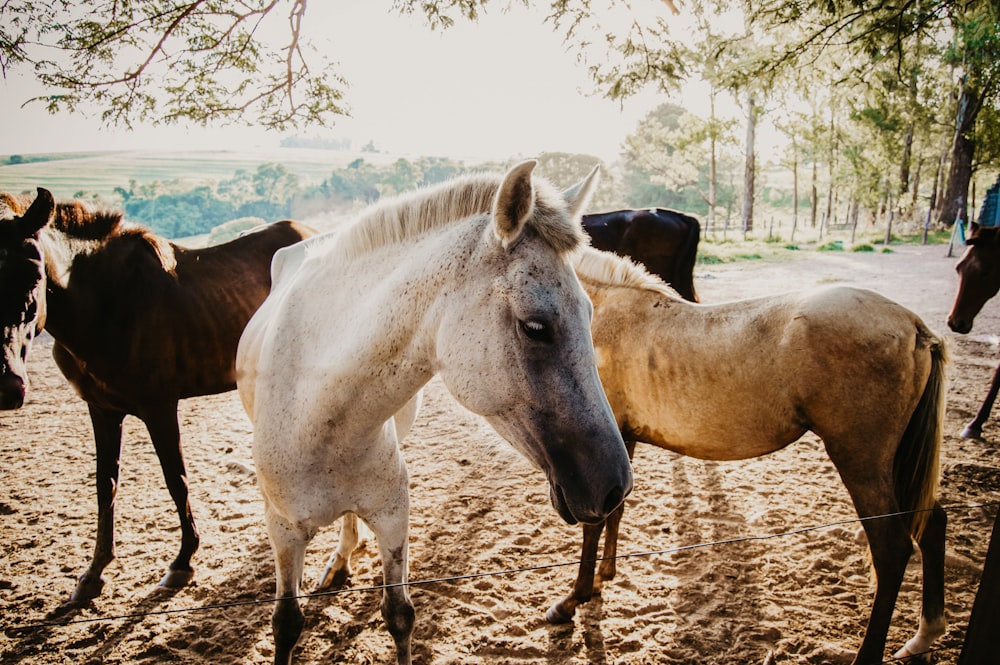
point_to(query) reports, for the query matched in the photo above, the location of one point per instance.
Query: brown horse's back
(146, 320)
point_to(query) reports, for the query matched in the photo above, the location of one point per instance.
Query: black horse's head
(22, 288)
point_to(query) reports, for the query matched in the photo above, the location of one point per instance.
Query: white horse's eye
(536, 330)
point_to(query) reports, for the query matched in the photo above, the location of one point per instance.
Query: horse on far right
(978, 281)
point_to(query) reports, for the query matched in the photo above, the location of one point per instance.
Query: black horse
(664, 241)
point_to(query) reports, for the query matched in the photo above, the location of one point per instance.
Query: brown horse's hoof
(176, 579)
(87, 588)
(559, 614)
(971, 432)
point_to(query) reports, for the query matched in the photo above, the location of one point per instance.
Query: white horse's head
(519, 352)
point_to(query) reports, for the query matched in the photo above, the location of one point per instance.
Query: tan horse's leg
(608, 567)
(338, 568)
(583, 588)
(932, 621)
(891, 547)
(586, 584)
(867, 472)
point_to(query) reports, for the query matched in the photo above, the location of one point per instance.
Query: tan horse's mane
(78, 221)
(406, 216)
(607, 269)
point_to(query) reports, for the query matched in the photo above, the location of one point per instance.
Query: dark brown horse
(22, 296)
(664, 241)
(978, 281)
(139, 323)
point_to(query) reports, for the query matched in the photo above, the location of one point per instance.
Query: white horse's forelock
(397, 219)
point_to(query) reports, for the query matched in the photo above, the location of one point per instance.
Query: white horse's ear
(578, 196)
(514, 203)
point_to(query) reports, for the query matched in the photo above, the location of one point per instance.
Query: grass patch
(864, 247)
(833, 246)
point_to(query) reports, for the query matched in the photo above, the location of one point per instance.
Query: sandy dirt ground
(480, 513)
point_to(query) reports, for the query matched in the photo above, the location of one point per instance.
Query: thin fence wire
(478, 575)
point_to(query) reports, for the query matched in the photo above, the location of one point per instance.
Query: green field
(71, 175)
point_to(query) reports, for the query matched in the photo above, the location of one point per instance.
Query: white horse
(358, 322)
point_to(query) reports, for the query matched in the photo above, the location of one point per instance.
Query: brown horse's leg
(585, 585)
(161, 421)
(108, 440)
(974, 430)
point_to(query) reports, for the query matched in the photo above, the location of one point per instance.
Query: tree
(168, 60)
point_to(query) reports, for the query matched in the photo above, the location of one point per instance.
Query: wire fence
(493, 573)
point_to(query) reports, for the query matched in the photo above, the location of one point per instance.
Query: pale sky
(504, 86)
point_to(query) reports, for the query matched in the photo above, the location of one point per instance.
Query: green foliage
(163, 61)
(864, 247)
(832, 246)
(705, 258)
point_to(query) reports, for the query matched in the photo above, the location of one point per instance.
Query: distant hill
(90, 174)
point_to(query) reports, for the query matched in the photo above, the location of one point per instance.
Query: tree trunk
(748, 173)
(956, 195)
(832, 166)
(795, 189)
(904, 167)
(712, 166)
(813, 195)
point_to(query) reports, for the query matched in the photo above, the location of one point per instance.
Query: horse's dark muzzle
(11, 392)
(960, 326)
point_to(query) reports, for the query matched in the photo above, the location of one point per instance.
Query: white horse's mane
(607, 269)
(409, 215)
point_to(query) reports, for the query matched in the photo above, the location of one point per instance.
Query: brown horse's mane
(984, 236)
(78, 221)
(607, 269)
(409, 215)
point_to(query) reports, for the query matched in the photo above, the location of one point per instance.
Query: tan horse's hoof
(176, 579)
(87, 588)
(557, 614)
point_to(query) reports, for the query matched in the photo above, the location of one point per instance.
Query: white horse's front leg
(288, 543)
(338, 567)
(391, 527)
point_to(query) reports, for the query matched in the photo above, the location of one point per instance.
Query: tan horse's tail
(916, 468)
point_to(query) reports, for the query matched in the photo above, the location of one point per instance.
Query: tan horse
(742, 379)
(355, 325)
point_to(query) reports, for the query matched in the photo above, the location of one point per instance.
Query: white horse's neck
(385, 324)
